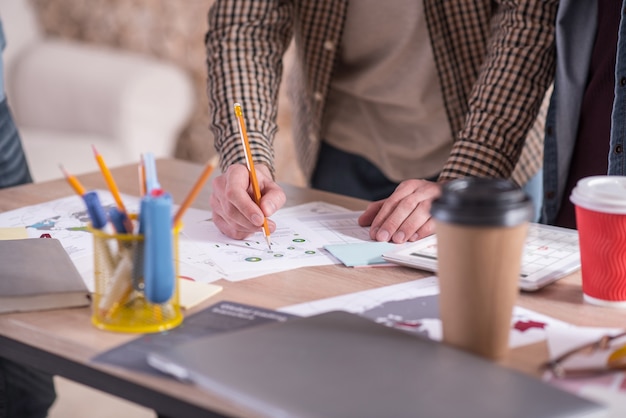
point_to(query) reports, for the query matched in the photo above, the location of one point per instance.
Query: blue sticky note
(361, 254)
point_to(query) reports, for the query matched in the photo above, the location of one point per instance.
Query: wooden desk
(63, 341)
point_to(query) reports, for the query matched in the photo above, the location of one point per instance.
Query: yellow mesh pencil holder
(119, 302)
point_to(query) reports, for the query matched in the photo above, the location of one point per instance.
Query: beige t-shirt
(385, 101)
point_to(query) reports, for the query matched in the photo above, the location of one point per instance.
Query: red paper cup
(601, 222)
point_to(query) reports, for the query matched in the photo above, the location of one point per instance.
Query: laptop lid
(338, 364)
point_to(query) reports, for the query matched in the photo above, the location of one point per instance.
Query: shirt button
(618, 149)
(622, 81)
(550, 195)
(318, 96)
(329, 45)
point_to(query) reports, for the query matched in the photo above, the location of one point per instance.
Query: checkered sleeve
(510, 88)
(245, 43)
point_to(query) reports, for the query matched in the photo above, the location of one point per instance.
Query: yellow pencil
(73, 181)
(193, 193)
(108, 177)
(250, 164)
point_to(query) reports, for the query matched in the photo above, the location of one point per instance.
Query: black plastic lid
(482, 202)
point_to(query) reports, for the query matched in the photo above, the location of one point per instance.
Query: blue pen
(152, 182)
(95, 210)
(139, 250)
(119, 220)
(98, 221)
(159, 275)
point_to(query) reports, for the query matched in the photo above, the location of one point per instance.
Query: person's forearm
(244, 46)
(506, 98)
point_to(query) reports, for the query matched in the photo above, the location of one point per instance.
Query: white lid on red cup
(601, 194)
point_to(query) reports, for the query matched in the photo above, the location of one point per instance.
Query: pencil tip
(93, 147)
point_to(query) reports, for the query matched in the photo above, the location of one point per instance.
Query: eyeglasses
(605, 355)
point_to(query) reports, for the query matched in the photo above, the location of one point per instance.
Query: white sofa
(68, 95)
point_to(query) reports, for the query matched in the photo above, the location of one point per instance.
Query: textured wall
(169, 29)
(172, 30)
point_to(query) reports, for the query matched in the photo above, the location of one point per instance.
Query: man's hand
(403, 216)
(234, 211)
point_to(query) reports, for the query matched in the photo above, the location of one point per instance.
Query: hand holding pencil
(236, 212)
(250, 163)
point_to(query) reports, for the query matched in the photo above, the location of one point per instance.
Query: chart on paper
(204, 253)
(293, 245)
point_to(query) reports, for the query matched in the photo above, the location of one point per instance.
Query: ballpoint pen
(99, 220)
(251, 169)
(96, 212)
(151, 178)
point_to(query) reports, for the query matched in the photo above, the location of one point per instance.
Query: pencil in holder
(120, 302)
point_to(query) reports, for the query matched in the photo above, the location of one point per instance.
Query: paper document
(205, 254)
(299, 241)
(413, 306)
(361, 254)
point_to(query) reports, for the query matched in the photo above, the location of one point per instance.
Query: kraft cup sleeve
(159, 275)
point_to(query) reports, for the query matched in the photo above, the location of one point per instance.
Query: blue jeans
(534, 189)
(352, 175)
(24, 391)
(349, 174)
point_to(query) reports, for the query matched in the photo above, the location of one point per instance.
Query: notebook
(550, 253)
(38, 274)
(339, 364)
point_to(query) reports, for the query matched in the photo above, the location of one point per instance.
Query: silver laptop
(339, 364)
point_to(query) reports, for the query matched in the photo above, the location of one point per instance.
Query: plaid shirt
(495, 60)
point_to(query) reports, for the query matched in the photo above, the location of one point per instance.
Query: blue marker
(158, 267)
(119, 220)
(139, 250)
(95, 210)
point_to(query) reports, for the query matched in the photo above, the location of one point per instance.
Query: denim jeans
(534, 189)
(24, 391)
(352, 175)
(349, 174)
